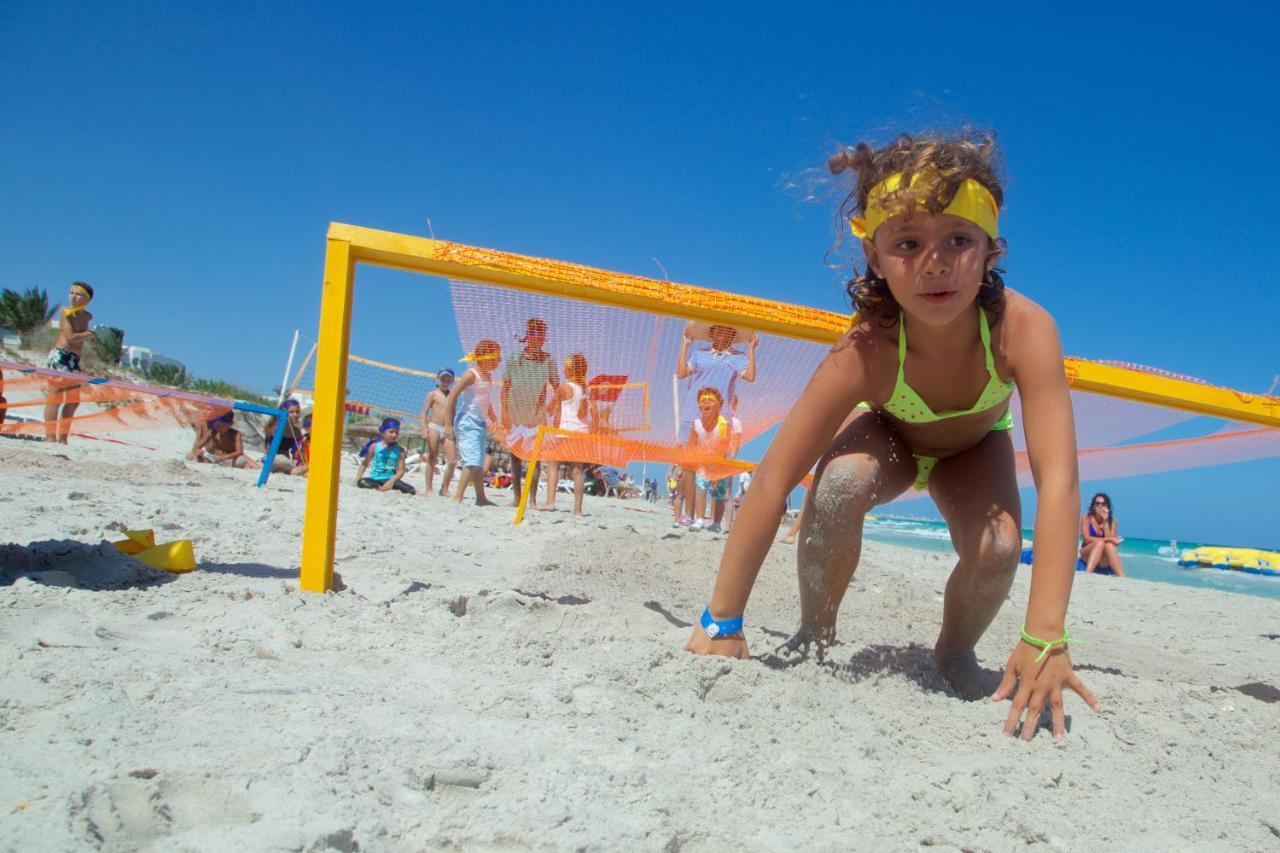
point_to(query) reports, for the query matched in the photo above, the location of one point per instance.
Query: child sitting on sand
(223, 446)
(283, 462)
(384, 460)
(712, 435)
(302, 452)
(73, 331)
(470, 410)
(936, 348)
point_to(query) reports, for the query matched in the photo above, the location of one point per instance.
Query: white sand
(481, 687)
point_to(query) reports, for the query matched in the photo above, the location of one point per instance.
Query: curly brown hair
(950, 160)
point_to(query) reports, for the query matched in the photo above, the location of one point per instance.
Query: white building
(143, 358)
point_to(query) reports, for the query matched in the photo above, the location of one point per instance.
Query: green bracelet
(1046, 646)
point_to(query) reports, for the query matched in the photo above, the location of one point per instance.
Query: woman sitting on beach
(1101, 534)
(936, 347)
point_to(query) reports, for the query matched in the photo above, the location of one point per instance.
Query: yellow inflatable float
(1251, 560)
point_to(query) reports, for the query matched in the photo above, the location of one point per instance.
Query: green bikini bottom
(924, 464)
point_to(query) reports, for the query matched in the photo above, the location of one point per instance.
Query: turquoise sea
(1147, 559)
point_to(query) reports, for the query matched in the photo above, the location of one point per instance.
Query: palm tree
(25, 312)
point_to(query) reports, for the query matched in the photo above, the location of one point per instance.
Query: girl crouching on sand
(937, 347)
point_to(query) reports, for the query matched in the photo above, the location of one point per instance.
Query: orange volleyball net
(637, 406)
(1116, 437)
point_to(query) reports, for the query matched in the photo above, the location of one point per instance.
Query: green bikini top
(906, 405)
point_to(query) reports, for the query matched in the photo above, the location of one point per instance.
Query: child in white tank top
(570, 410)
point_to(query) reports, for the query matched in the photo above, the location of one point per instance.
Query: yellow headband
(67, 312)
(709, 395)
(972, 201)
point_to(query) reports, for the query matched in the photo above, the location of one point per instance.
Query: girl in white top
(469, 408)
(570, 410)
(572, 407)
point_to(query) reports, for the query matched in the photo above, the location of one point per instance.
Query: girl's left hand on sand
(1039, 684)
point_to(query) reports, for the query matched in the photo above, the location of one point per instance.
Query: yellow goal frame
(349, 245)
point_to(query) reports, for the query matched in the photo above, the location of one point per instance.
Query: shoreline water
(1145, 559)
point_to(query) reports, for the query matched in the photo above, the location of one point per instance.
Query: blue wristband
(720, 627)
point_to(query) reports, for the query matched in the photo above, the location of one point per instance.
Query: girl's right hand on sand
(732, 646)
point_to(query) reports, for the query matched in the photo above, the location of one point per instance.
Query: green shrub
(226, 390)
(40, 340)
(167, 374)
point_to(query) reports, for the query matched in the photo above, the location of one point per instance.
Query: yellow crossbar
(1171, 392)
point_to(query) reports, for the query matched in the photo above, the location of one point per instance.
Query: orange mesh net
(1116, 437)
(636, 407)
(105, 405)
(1119, 438)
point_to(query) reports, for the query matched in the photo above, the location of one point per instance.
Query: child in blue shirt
(385, 462)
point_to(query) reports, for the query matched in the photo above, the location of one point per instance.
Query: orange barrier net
(624, 365)
(105, 405)
(1116, 437)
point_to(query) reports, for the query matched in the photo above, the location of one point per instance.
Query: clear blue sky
(187, 158)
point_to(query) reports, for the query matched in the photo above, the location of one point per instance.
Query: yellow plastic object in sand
(177, 556)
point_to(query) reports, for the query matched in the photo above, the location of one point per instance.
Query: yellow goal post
(348, 246)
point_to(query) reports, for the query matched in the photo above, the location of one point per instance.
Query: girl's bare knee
(847, 484)
(1001, 545)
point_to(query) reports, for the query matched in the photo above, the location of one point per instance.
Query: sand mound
(66, 562)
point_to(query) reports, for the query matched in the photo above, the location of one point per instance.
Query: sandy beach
(482, 687)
